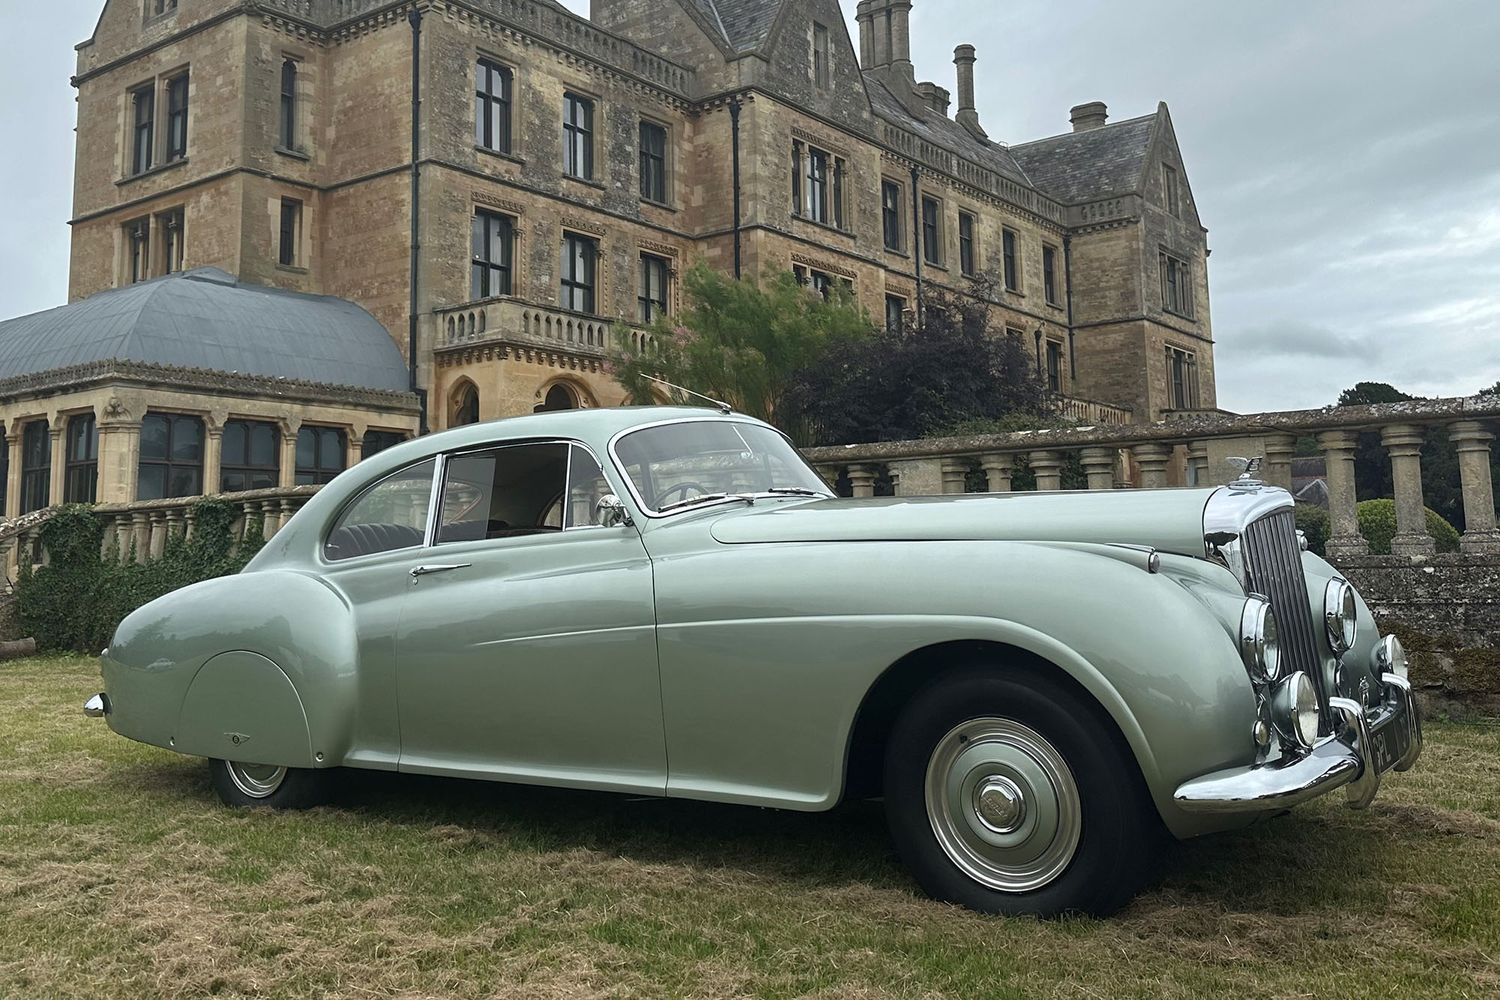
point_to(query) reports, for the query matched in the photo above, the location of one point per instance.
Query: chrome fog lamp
(1340, 616)
(1259, 642)
(1296, 708)
(1390, 657)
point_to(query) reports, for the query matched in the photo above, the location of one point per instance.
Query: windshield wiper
(749, 498)
(796, 491)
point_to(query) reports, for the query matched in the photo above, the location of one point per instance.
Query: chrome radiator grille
(1273, 562)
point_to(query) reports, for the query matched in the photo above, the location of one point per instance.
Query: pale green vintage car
(671, 602)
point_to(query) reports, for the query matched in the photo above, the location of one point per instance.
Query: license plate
(1389, 743)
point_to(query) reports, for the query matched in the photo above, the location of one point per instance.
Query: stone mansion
(306, 229)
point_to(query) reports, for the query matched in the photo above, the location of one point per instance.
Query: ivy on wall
(76, 600)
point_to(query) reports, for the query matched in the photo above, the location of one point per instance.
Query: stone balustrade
(515, 322)
(1089, 412)
(141, 530)
(1193, 449)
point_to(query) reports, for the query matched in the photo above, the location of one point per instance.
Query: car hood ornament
(1247, 480)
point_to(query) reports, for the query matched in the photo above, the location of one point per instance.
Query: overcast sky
(1345, 156)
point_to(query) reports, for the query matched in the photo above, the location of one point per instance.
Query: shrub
(1312, 521)
(1377, 522)
(77, 599)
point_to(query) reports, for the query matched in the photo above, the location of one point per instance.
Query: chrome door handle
(420, 571)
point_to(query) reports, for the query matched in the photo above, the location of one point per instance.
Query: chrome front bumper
(97, 707)
(1353, 759)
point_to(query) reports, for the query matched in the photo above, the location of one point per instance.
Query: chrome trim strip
(97, 707)
(434, 499)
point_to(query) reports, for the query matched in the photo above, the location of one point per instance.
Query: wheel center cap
(1000, 804)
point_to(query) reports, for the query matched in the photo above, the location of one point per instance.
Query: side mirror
(612, 512)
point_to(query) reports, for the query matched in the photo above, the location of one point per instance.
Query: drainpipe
(734, 119)
(916, 245)
(1068, 285)
(415, 17)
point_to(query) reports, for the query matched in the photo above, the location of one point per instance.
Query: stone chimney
(1091, 115)
(938, 99)
(885, 41)
(968, 114)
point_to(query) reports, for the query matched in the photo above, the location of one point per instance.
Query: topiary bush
(1377, 522)
(77, 599)
(1312, 521)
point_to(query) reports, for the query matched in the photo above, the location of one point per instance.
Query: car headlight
(1390, 658)
(1340, 616)
(1259, 642)
(1297, 709)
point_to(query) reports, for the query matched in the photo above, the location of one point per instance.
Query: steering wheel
(681, 491)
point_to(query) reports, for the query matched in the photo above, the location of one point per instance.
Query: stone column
(997, 471)
(1047, 467)
(862, 480)
(1197, 463)
(356, 452)
(1404, 443)
(13, 470)
(1344, 538)
(213, 459)
(954, 474)
(1473, 444)
(57, 474)
(119, 457)
(918, 477)
(1153, 460)
(1099, 466)
(1279, 450)
(289, 428)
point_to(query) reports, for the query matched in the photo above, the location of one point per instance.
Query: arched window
(559, 397)
(465, 406)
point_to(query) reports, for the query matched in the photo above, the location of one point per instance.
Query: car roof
(595, 425)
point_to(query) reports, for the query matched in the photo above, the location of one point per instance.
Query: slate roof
(744, 24)
(942, 131)
(205, 319)
(1097, 163)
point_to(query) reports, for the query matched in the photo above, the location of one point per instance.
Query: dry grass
(120, 876)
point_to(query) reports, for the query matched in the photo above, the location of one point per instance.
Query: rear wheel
(268, 786)
(1008, 793)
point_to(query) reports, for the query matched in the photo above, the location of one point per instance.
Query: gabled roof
(1096, 163)
(743, 24)
(208, 321)
(942, 131)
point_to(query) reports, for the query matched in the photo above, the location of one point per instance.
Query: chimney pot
(1089, 116)
(935, 97)
(968, 115)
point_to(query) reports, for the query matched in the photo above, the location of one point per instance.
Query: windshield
(678, 462)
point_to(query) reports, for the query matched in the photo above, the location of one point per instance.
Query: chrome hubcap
(259, 781)
(1003, 804)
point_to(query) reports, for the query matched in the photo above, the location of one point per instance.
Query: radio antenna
(722, 406)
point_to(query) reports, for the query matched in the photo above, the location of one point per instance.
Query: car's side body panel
(768, 650)
(241, 705)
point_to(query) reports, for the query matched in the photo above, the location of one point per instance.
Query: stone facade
(1092, 201)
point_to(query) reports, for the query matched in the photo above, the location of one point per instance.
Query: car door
(526, 648)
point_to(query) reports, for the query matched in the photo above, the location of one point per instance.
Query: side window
(586, 484)
(504, 493)
(390, 515)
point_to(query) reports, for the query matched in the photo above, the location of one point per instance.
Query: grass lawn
(120, 875)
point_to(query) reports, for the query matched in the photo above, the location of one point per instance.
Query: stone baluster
(189, 523)
(998, 470)
(175, 523)
(1473, 444)
(830, 475)
(918, 477)
(1153, 460)
(1279, 449)
(1404, 443)
(1047, 467)
(1344, 538)
(954, 474)
(1197, 464)
(1099, 467)
(158, 538)
(287, 510)
(140, 535)
(862, 480)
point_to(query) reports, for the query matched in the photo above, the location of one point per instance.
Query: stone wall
(1446, 611)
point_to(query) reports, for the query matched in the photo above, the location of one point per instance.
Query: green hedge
(1377, 522)
(76, 600)
(1312, 521)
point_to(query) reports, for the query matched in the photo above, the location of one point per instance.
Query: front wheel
(266, 786)
(1006, 793)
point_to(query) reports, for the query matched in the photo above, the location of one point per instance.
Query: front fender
(238, 655)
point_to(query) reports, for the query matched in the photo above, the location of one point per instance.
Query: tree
(1372, 394)
(1493, 390)
(738, 342)
(924, 379)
